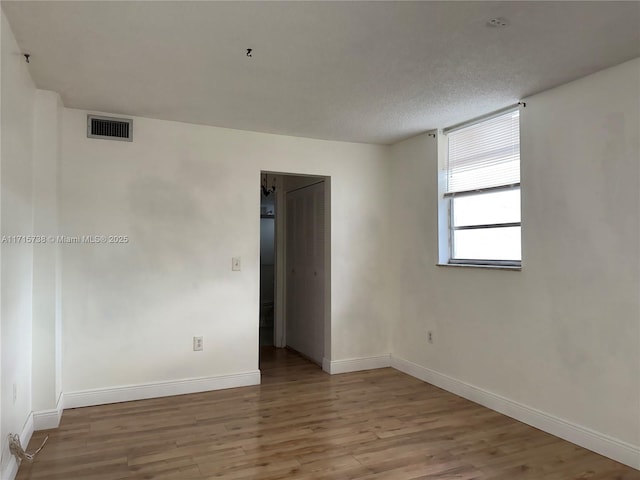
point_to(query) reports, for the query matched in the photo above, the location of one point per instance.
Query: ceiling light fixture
(266, 191)
(498, 22)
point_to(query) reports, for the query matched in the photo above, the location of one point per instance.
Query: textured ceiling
(373, 72)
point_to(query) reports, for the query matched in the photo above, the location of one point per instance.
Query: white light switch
(235, 264)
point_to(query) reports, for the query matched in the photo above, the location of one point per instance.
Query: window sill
(471, 265)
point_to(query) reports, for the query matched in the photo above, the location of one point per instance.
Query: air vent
(110, 128)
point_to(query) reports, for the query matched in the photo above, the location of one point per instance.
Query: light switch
(235, 264)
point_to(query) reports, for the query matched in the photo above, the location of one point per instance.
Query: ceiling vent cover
(110, 128)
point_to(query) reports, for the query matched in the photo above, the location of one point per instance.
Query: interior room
(364, 240)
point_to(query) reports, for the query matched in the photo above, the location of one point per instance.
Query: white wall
(16, 215)
(46, 291)
(561, 336)
(187, 197)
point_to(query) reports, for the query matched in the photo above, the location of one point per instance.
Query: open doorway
(267, 261)
(294, 265)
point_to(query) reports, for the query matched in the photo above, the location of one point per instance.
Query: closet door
(295, 276)
(305, 271)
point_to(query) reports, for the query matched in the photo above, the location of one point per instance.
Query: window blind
(485, 154)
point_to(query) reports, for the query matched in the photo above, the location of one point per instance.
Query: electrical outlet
(429, 336)
(198, 344)
(235, 264)
(15, 392)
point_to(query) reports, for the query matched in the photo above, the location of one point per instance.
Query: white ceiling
(373, 72)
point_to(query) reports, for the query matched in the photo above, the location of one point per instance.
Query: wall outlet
(235, 264)
(15, 392)
(198, 344)
(429, 336)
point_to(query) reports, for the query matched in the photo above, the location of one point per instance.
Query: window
(482, 194)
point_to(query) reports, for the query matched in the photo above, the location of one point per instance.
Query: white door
(305, 221)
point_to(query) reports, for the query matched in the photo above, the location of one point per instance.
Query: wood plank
(304, 424)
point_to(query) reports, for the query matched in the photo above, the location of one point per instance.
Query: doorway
(294, 265)
(267, 263)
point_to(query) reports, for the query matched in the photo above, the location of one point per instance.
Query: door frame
(280, 261)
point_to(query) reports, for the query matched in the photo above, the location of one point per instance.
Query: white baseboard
(46, 419)
(101, 396)
(11, 470)
(356, 364)
(613, 448)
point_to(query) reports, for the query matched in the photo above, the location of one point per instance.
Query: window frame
(448, 198)
(452, 228)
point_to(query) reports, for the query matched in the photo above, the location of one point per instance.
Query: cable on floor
(16, 449)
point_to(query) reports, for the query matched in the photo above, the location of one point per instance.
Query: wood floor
(304, 424)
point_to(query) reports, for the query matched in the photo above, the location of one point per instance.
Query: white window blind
(485, 155)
